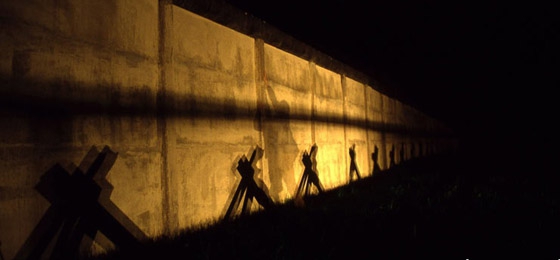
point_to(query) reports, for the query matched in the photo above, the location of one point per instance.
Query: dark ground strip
(433, 208)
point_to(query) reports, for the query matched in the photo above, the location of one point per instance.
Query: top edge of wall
(227, 15)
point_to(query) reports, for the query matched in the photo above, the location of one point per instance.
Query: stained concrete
(181, 99)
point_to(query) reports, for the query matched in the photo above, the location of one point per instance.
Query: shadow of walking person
(392, 157)
(375, 158)
(353, 166)
(402, 154)
(280, 145)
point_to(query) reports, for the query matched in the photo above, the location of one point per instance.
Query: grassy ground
(426, 208)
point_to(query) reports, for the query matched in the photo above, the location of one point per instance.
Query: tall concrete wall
(181, 99)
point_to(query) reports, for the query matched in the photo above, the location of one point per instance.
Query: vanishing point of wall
(177, 99)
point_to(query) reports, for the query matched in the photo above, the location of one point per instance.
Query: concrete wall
(180, 98)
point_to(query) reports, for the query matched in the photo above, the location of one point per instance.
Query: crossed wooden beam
(80, 206)
(309, 176)
(247, 190)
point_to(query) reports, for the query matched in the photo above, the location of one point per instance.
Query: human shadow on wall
(401, 154)
(80, 207)
(375, 158)
(309, 177)
(249, 187)
(392, 157)
(353, 166)
(281, 148)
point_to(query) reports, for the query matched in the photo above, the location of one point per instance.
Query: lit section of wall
(287, 126)
(391, 138)
(356, 114)
(375, 132)
(76, 74)
(180, 98)
(214, 86)
(328, 120)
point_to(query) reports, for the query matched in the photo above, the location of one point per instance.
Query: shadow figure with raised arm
(353, 165)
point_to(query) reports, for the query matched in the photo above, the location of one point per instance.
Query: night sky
(487, 69)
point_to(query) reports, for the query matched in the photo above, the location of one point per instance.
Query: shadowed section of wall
(180, 98)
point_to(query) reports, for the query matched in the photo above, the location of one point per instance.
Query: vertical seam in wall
(345, 120)
(383, 134)
(313, 86)
(260, 85)
(366, 127)
(162, 112)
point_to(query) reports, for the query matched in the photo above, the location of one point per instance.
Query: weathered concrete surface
(214, 78)
(287, 126)
(180, 98)
(76, 74)
(375, 133)
(328, 107)
(356, 114)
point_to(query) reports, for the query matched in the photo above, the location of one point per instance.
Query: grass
(432, 208)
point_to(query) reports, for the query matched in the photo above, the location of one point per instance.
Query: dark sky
(486, 68)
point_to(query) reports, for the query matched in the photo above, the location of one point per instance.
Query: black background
(487, 69)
